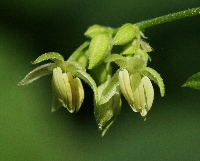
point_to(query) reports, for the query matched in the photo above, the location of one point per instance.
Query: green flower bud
(105, 114)
(81, 59)
(95, 30)
(80, 55)
(99, 48)
(126, 34)
(137, 91)
(101, 73)
(67, 90)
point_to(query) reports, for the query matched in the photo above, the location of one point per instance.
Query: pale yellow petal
(142, 103)
(124, 82)
(135, 81)
(149, 91)
(68, 92)
(79, 93)
(58, 83)
(71, 92)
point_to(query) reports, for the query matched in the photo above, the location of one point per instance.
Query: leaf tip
(184, 85)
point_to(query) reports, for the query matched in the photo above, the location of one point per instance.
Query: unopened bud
(126, 34)
(98, 49)
(105, 114)
(96, 30)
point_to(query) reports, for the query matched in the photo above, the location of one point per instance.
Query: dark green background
(29, 131)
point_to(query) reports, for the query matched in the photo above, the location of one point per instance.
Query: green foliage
(193, 81)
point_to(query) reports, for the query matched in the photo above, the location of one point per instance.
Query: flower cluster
(92, 63)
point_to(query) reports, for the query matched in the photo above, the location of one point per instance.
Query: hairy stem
(168, 18)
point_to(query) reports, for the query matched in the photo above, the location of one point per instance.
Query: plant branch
(168, 18)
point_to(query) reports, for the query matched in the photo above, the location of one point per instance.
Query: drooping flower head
(92, 63)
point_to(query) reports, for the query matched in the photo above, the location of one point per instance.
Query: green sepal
(77, 70)
(138, 61)
(131, 48)
(107, 113)
(70, 66)
(126, 34)
(80, 55)
(99, 48)
(155, 76)
(110, 89)
(76, 53)
(37, 73)
(118, 59)
(56, 57)
(145, 46)
(83, 59)
(193, 81)
(88, 79)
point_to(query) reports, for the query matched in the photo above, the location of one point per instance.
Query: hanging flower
(67, 90)
(66, 85)
(137, 90)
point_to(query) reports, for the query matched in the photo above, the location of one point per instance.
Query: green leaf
(37, 73)
(155, 76)
(193, 81)
(51, 55)
(118, 59)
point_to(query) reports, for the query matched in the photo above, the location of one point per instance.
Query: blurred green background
(29, 131)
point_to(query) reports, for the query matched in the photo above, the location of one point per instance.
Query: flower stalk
(168, 18)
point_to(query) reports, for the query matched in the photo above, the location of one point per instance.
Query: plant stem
(168, 18)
